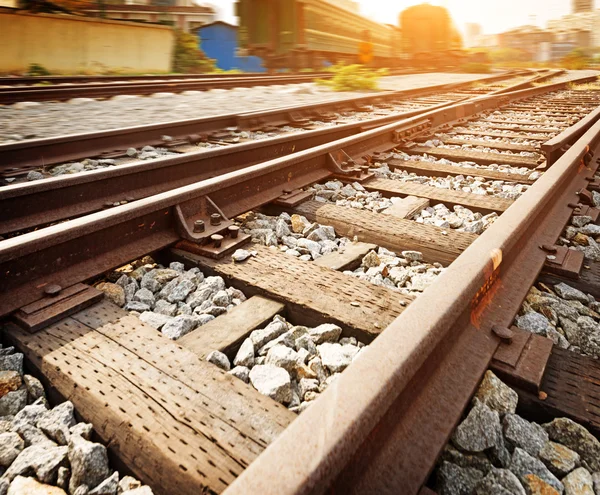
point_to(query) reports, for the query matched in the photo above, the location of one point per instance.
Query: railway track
(63, 88)
(405, 250)
(102, 89)
(176, 137)
(33, 80)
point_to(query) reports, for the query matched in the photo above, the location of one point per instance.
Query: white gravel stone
(219, 359)
(327, 332)
(336, 358)
(245, 354)
(272, 381)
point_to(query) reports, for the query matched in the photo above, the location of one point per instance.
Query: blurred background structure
(133, 36)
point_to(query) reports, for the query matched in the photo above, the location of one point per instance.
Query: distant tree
(187, 56)
(576, 59)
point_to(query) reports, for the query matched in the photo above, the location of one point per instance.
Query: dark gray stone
(109, 486)
(522, 464)
(12, 362)
(13, 402)
(478, 461)
(456, 480)
(570, 294)
(533, 322)
(499, 481)
(519, 432)
(479, 431)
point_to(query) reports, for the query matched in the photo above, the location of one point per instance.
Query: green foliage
(230, 71)
(352, 78)
(187, 57)
(575, 60)
(37, 70)
(475, 68)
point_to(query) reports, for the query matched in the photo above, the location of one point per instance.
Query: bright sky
(494, 15)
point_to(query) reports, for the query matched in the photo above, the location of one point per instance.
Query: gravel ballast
(44, 450)
(496, 451)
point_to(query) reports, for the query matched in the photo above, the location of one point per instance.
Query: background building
(182, 14)
(218, 40)
(350, 5)
(472, 32)
(587, 21)
(582, 6)
(528, 39)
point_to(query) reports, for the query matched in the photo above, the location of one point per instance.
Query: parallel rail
(106, 90)
(33, 153)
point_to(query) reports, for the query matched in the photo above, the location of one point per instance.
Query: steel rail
(15, 80)
(553, 148)
(149, 77)
(530, 82)
(381, 425)
(45, 93)
(49, 151)
(79, 249)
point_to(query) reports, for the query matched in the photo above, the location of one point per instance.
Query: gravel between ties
(172, 300)
(354, 195)
(292, 364)
(295, 235)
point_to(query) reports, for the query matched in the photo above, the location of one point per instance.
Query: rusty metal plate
(523, 363)
(564, 262)
(227, 246)
(293, 198)
(40, 314)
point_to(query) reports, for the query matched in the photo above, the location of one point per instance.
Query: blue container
(218, 40)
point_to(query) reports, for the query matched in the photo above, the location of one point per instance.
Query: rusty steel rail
(30, 80)
(106, 90)
(15, 80)
(555, 147)
(24, 155)
(530, 82)
(79, 249)
(381, 425)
